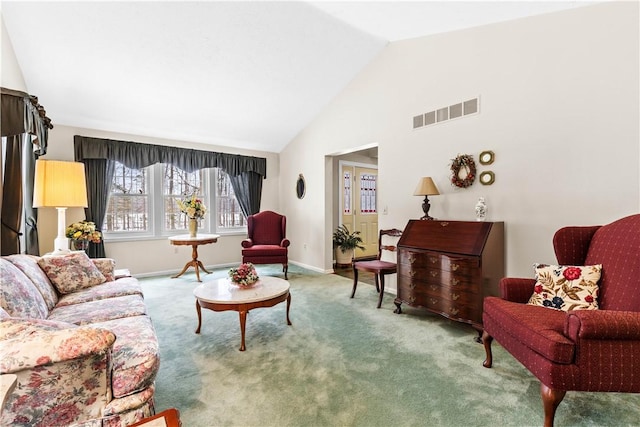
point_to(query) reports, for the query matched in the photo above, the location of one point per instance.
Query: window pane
(176, 184)
(127, 213)
(229, 214)
(128, 207)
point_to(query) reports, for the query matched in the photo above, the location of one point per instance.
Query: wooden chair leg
(355, 281)
(375, 278)
(285, 268)
(381, 289)
(487, 340)
(551, 398)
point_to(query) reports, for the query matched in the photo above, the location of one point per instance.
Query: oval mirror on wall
(301, 187)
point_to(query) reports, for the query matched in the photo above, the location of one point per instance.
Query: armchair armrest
(516, 289)
(285, 243)
(602, 325)
(247, 243)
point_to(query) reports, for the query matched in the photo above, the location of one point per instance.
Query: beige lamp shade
(59, 184)
(426, 187)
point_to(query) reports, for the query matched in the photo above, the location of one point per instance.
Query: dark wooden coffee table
(222, 295)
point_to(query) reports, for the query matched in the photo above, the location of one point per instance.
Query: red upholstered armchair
(267, 242)
(580, 350)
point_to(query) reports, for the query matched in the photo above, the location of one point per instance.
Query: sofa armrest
(285, 243)
(63, 372)
(516, 289)
(25, 344)
(602, 325)
(247, 243)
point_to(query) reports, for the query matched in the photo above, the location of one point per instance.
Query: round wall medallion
(486, 157)
(487, 178)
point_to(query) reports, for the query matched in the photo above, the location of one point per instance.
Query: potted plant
(345, 243)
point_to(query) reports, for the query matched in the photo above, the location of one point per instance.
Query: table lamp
(60, 185)
(426, 187)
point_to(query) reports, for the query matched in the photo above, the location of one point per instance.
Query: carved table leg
(199, 311)
(243, 322)
(486, 340)
(288, 305)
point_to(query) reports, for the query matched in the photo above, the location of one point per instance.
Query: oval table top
(201, 239)
(223, 291)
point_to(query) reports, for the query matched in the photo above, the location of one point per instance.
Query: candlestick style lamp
(60, 185)
(426, 187)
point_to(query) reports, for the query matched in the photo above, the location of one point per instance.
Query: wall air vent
(444, 114)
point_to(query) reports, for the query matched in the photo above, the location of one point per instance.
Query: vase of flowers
(81, 233)
(194, 209)
(244, 276)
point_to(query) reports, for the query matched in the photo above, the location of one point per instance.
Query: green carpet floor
(344, 363)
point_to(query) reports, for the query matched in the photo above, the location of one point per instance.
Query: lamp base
(425, 208)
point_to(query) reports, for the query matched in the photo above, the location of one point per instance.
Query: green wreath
(463, 161)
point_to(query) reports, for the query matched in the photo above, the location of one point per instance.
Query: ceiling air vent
(444, 114)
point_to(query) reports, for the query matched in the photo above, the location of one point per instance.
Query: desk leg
(199, 311)
(243, 322)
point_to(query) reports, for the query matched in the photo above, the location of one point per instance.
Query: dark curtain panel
(248, 189)
(137, 155)
(99, 175)
(31, 243)
(12, 197)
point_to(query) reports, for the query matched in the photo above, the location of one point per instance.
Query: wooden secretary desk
(448, 267)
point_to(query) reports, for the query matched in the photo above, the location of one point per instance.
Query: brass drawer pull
(455, 297)
(455, 282)
(433, 301)
(433, 287)
(412, 299)
(454, 311)
(434, 274)
(412, 285)
(433, 259)
(455, 267)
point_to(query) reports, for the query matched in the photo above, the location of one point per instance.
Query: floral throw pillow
(566, 287)
(71, 272)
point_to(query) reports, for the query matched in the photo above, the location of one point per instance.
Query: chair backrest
(617, 247)
(393, 232)
(267, 228)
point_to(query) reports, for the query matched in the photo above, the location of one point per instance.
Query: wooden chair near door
(378, 267)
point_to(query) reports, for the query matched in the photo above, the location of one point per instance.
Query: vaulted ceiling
(240, 74)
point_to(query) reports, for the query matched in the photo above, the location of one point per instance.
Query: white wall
(559, 107)
(10, 72)
(152, 256)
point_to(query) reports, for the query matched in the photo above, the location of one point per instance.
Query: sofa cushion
(117, 288)
(135, 354)
(71, 272)
(107, 266)
(19, 297)
(29, 266)
(100, 311)
(566, 287)
(538, 328)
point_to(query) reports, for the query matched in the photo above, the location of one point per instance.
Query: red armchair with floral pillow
(592, 349)
(267, 242)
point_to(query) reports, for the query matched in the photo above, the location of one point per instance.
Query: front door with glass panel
(360, 206)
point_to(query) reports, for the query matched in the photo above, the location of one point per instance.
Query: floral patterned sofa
(79, 341)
